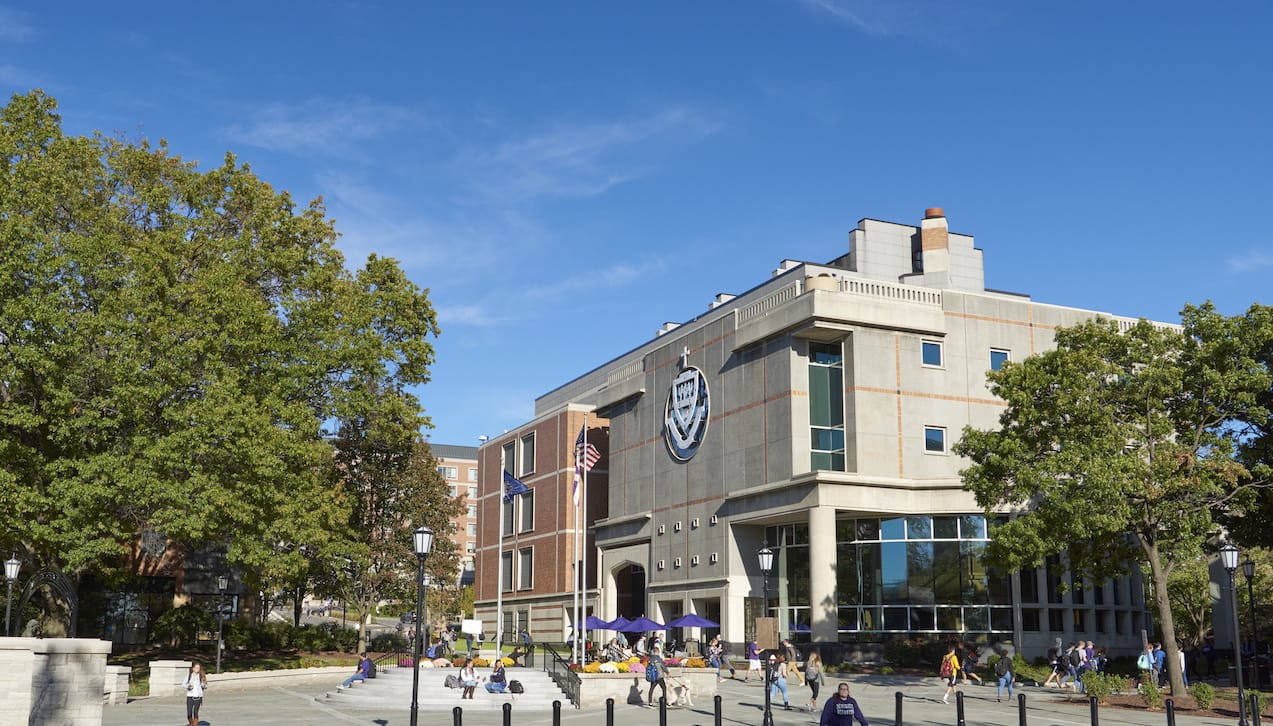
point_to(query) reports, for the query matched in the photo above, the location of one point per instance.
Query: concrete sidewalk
(742, 703)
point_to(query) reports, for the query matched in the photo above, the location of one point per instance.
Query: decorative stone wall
(167, 677)
(52, 681)
(595, 688)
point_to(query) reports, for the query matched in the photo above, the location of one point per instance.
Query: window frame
(525, 508)
(526, 454)
(1007, 357)
(924, 344)
(526, 568)
(506, 571)
(945, 446)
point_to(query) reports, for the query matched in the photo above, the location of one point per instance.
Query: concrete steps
(393, 685)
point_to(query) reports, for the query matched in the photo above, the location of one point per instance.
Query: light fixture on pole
(11, 568)
(422, 541)
(1248, 569)
(1229, 558)
(766, 557)
(221, 585)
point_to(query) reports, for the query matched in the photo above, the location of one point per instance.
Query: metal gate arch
(61, 584)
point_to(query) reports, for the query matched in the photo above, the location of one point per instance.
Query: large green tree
(1118, 445)
(173, 345)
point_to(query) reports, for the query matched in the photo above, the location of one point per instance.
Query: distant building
(814, 413)
(458, 465)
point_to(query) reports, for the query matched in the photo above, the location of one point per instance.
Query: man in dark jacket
(841, 709)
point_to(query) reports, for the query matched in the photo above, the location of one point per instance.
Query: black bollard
(557, 713)
(609, 712)
(1021, 709)
(508, 714)
(662, 710)
(457, 716)
(897, 709)
(959, 708)
(716, 705)
(1096, 716)
(1255, 708)
(1171, 712)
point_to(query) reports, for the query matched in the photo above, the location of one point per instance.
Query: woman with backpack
(778, 679)
(813, 676)
(1003, 669)
(655, 675)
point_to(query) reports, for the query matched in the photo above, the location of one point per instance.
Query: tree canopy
(177, 348)
(1118, 446)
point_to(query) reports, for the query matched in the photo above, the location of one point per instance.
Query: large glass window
(509, 455)
(528, 454)
(525, 568)
(826, 406)
(506, 570)
(526, 507)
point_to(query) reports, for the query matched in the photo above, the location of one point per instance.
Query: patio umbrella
(618, 624)
(693, 620)
(640, 625)
(595, 623)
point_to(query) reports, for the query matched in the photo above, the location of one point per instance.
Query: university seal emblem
(685, 418)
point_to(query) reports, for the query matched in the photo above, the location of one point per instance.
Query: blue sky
(565, 177)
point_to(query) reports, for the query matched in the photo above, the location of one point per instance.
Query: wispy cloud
(1252, 261)
(323, 127)
(579, 160)
(14, 27)
(935, 22)
(845, 12)
(609, 278)
(17, 77)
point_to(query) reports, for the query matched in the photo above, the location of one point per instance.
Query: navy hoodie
(841, 713)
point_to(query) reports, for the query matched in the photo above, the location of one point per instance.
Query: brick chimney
(934, 237)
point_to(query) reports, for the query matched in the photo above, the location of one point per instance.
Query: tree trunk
(1165, 621)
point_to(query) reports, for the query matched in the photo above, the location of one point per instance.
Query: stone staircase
(393, 685)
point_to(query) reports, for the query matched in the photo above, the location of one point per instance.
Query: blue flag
(512, 487)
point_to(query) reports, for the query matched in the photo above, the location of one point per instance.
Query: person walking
(968, 665)
(778, 676)
(498, 681)
(950, 671)
(793, 668)
(196, 681)
(753, 661)
(814, 677)
(1003, 669)
(361, 674)
(841, 709)
(468, 679)
(655, 675)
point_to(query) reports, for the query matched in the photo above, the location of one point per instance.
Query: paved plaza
(742, 703)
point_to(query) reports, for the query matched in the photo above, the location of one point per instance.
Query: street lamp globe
(423, 539)
(766, 556)
(11, 567)
(1229, 557)
(1248, 567)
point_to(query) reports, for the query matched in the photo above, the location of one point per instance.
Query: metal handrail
(559, 670)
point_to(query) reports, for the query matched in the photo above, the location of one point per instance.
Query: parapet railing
(559, 670)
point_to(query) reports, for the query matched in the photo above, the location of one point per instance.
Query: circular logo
(685, 418)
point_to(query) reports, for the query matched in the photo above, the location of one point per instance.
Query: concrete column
(166, 676)
(823, 600)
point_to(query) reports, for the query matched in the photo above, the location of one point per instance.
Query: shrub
(887, 670)
(1261, 700)
(388, 642)
(695, 663)
(1149, 692)
(593, 667)
(481, 663)
(1204, 694)
(1101, 685)
(179, 625)
(508, 662)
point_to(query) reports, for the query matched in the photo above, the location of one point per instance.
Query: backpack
(371, 669)
(515, 687)
(1001, 666)
(1075, 658)
(452, 681)
(947, 666)
(651, 672)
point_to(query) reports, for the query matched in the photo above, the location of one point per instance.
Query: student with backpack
(950, 671)
(1003, 669)
(968, 666)
(655, 675)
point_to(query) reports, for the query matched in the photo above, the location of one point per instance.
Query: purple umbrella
(693, 620)
(640, 625)
(618, 624)
(595, 623)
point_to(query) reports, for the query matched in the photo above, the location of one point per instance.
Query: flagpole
(499, 557)
(583, 524)
(574, 561)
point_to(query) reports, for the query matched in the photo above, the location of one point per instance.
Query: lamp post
(1248, 569)
(1229, 558)
(11, 568)
(422, 539)
(221, 584)
(766, 557)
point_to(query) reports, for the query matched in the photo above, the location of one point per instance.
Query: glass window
(893, 572)
(934, 439)
(919, 572)
(972, 573)
(868, 529)
(455, 492)
(949, 619)
(525, 569)
(919, 528)
(449, 472)
(509, 456)
(1001, 619)
(972, 526)
(1030, 585)
(473, 511)
(528, 454)
(1056, 620)
(945, 528)
(1030, 620)
(870, 575)
(507, 516)
(506, 570)
(473, 493)
(847, 582)
(526, 505)
(998, 357)
(896, 619)
(932, 353)
(473, 474)
(826, 407)
(893, 528)
(472, 529)
(470, 547)
(946, 572)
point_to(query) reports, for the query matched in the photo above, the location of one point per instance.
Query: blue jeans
(355, 677)
(1004, 680)
(495, 687)
(779, 685)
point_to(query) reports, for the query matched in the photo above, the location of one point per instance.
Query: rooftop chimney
(934, 239)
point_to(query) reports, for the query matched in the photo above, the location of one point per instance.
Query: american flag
(586, 457)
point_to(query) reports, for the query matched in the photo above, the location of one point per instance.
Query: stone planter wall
(595, 688)
(166, 677)
(53, 680)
